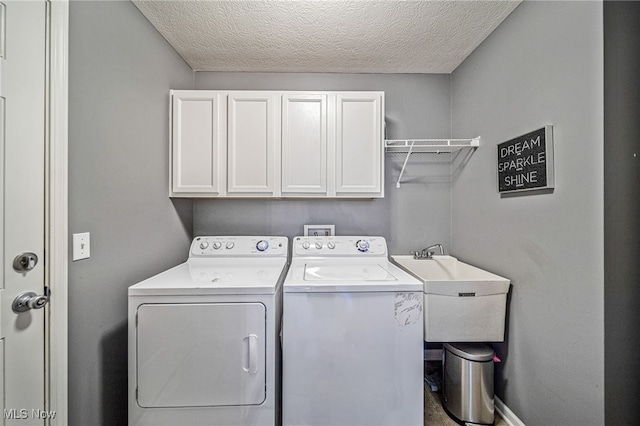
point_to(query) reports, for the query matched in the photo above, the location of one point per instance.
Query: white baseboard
(509, 417)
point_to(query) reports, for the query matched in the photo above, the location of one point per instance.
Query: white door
(22, 140)
(252, 143)
(304, 143)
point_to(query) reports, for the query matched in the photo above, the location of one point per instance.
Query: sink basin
(462, 303)
(447, 275)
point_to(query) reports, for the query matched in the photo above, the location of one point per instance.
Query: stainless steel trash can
(468, 382)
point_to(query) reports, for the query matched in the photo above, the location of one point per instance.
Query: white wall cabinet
(304, 144)
(358, 138)
(198, 151)
(252, 149)
(277, 144)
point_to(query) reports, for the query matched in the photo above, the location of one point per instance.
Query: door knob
(25, 262)
(29, 300)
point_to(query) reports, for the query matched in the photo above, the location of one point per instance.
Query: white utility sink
(462, 303)
(447, 275)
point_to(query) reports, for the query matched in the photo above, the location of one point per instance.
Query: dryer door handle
(251, 362)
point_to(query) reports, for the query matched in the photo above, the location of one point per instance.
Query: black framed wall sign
(525, 163)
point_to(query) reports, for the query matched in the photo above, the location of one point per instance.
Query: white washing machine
(352, 336)
(204, 343)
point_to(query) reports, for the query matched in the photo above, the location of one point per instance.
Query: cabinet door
(359, 159)
(198, 166)
(304, 143)
(252, 127)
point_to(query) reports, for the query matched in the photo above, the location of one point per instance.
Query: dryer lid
(215, 276)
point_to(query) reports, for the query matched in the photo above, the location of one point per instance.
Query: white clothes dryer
(352, 336)
(204, 343)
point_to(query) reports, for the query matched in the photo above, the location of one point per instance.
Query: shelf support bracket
(404, 165)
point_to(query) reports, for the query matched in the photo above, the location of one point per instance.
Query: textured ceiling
(385, 36)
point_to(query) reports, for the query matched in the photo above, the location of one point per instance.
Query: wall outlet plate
(81, 246)
(319, 230)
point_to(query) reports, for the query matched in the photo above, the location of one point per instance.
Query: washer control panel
(339, 246)
(238, 246)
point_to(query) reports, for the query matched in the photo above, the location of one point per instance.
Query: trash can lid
(471, 351)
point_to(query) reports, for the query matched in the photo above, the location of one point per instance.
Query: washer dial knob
(363, 245)
(318, 245)
(262, 245)
(230, 245)
(305, 245)
(217, 245)
(204, 245)
(331, 245)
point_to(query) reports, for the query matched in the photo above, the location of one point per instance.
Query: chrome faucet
(427, 253)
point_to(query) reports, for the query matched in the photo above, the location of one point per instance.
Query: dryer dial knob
(331, 245)
(204, 245)
(217, 245)
(306, 245)
(230, 245)
(318, 245)
(262, 245)
(363, 245)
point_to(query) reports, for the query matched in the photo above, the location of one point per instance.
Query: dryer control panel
(221, 246)
(339, 246)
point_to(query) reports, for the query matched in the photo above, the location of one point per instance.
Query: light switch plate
(81, 246)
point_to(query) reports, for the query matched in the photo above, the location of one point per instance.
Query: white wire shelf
(429, 146)
(435, 146)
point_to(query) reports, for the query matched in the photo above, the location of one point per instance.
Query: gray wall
(411, 217)
(543, 65)
(622, 211)
(120, 72)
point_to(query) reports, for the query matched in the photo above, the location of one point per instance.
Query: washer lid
(342, 272)
(346, 276)
(471, 351)
(215, 276)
